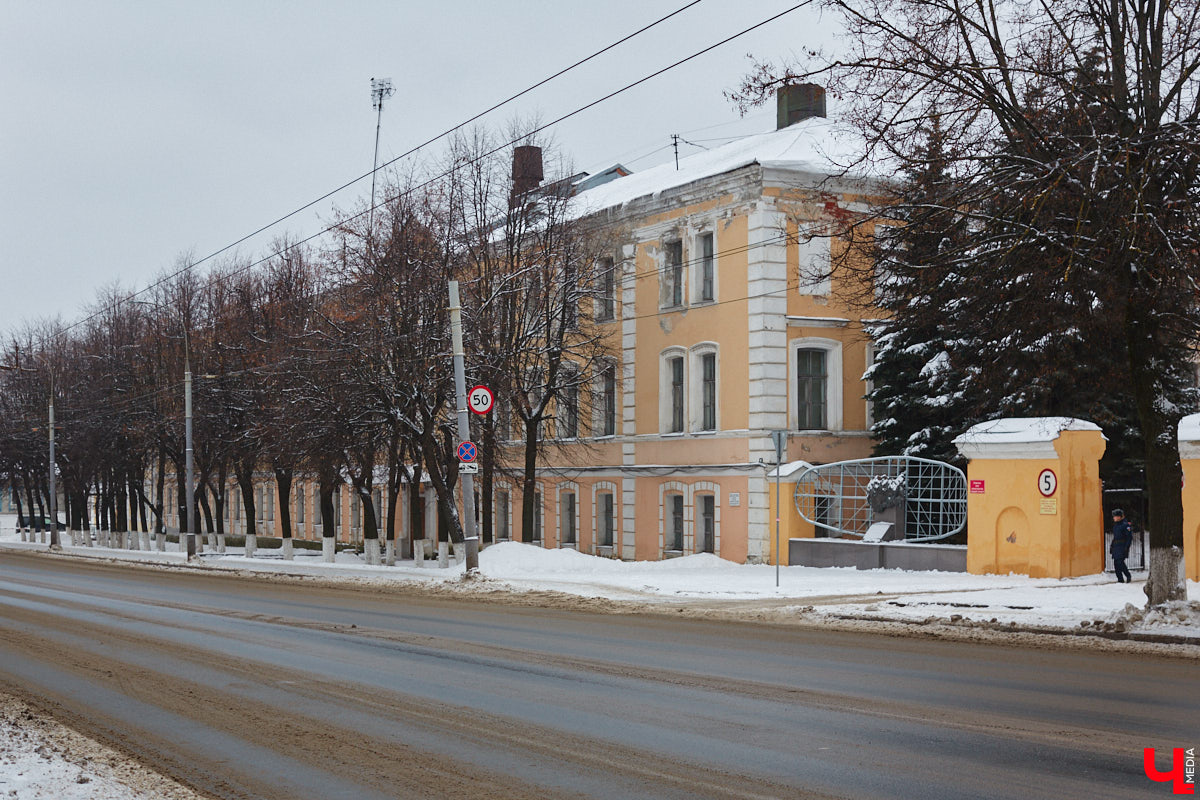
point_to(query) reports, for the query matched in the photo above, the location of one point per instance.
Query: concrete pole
(188, 522)
(464, 430)
(54, 543)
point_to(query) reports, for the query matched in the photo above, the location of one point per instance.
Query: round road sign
(467, 452)
(480, 399)
(1047, 483)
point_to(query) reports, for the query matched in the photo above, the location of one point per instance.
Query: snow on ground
(1093, 602)
(41, 759)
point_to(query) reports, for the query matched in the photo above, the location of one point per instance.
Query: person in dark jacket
(1122, 539)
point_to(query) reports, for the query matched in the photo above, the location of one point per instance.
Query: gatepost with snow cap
(1041, 512)
(1189, 457)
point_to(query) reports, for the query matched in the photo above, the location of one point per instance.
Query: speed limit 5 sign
(1047, 483)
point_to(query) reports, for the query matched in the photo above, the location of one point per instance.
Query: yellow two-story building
(730, 326)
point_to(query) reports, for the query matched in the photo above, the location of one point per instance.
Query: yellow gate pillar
(791, 524)
(1189, 457)
(1034, 502)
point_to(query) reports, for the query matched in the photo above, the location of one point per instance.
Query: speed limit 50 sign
(480, 399)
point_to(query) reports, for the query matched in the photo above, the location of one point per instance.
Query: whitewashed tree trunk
(1167, 579)
(372, 550)
(251, 544)
(220, 543)
(160, 541)
(288, 553)
(328, 549)
(389, 554)
(145, 540)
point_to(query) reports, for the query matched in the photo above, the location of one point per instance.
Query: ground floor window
(566, 522)
(708, 524)
(675, 522)
(604, 519)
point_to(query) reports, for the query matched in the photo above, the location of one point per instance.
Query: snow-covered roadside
(1094, 602)
(39, 758)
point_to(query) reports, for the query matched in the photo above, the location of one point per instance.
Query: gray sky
(132, 133)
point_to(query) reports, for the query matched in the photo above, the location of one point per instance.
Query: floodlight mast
(381, 89)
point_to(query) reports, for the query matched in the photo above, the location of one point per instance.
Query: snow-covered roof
(1189, 428)
(1018, 437)
(1024, 430)
(816, 145)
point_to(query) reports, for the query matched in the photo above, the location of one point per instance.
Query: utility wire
(449, 172)
(405, 154)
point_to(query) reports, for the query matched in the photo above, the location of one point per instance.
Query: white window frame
(665, 406)
(609, 488)
(564, 488)
(506, 517)
(606, 270)
(697, 267)
(668, 289)
(694, 381)
(706, 489)
(664, 517)
(598, 417)
(833, 386)
(814, 262)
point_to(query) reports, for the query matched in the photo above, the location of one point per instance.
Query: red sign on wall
(977, 487)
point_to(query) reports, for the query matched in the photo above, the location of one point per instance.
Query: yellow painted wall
(791, 524)
(1011, 529)
(1191, 517)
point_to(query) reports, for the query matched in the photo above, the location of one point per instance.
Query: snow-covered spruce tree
(918, 389)
(1076, 133)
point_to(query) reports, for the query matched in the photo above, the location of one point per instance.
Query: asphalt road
(247, 689)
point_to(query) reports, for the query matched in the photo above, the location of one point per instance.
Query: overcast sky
(132, 133)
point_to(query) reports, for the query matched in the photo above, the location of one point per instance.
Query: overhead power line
(480, 157)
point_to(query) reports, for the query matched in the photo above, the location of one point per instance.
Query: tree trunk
(245, 482)
(1164, 474)
(325, 487)
(529, 480)
(283, 480)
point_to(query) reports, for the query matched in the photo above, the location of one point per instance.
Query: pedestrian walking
(1122, 539)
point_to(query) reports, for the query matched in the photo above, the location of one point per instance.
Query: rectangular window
(568, 410)
(300, 504)
(608, 400)
(537, 516)
(355, 510)
(269, 499)
(673, 274)
(708, 523)
(604, 519)
(708, 392)
(237, 505)
(707, 268)
(675, 522)
(812, 383)
(676, 367)
(566, 523)
(377, 506)
(503, 532)
(258, 503)
(606, 291)
(337, 509)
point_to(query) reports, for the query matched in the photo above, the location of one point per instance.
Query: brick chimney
(526, 170)
(798, 101)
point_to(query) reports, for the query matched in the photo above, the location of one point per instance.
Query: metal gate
(836, 497)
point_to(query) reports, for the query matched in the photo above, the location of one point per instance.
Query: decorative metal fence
(837, 497)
